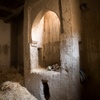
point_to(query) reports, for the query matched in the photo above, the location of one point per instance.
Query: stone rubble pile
(54, 67)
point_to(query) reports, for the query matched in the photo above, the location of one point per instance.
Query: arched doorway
(45, 46)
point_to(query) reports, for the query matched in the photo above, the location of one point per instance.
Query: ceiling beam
(16, 13)
(6, 9)
(18, 10)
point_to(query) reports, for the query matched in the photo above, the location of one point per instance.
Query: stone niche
(45, 42)
(44, 52)
(44, 46)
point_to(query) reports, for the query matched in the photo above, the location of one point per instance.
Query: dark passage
(46, 89)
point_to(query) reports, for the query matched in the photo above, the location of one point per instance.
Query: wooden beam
(6, 9)
(16, 13)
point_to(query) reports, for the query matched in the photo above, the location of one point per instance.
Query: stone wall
(17, 43)
(5, 32)
(90, 53)
(63, 85)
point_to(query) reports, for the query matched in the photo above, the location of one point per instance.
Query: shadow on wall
(46, 89)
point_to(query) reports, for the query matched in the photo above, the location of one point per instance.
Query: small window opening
(46, 89)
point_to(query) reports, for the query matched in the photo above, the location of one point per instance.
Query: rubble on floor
(54, 67)
(14, 91)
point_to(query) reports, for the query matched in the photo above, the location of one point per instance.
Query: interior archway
(45, 46)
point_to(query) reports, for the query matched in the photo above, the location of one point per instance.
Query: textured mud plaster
(55, 81)
(64, 85)
(5, 30)
(91, 49)
(45, 46)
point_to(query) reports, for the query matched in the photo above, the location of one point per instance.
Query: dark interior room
(49, 50)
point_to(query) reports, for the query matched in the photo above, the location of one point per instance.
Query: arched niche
(45, 35)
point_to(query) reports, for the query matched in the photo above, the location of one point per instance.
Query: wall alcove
(45, 35)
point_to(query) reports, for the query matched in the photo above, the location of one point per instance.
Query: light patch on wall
(45, 46)
(37, 33)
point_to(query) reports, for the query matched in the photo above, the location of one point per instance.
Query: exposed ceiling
(10, 9)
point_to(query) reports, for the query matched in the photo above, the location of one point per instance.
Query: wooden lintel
(6, 9)
(16, 13)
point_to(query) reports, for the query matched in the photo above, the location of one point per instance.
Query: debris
(54, 67)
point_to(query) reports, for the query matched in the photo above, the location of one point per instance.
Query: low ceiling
(10, 9)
